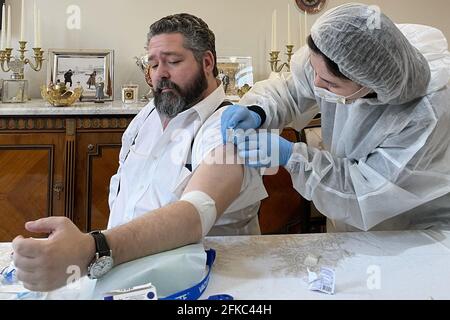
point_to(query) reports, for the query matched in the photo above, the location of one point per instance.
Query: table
(368, 265)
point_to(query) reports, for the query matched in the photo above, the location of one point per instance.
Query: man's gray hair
(198, 37)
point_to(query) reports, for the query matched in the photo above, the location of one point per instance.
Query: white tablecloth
(370, 265)
(408, 264)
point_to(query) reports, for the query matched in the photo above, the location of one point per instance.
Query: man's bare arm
(42, 265)
(178, 224)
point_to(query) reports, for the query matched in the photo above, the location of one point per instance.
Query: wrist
(287, 153)
(290, 150)
(256, 118)
(295, 155)
(103, 261)
(257, 110)
(88, 252)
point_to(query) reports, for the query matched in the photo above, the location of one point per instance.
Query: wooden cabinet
(57, 166)
(98, 161)
(31, 177)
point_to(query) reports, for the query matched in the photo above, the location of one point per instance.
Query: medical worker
(382, 91)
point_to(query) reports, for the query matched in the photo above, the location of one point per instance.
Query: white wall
(242, 27)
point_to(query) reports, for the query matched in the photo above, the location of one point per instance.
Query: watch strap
(101, 245)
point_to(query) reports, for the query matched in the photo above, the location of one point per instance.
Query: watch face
(101, 266)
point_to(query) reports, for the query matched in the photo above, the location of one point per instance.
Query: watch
(103, 260)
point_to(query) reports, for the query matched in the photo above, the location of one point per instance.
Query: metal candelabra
(274, 59)
(17, 64)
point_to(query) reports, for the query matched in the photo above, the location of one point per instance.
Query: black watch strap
(101, 245)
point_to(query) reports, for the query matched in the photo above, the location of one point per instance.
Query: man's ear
(208, 62)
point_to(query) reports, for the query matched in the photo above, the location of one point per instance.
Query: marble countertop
(42, 108)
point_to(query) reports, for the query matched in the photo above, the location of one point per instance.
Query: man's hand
(238, 117)
(263, 149)
(42, 264)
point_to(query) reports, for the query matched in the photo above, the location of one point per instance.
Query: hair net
(370, 50)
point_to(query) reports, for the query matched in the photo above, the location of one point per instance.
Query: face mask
(335, 98)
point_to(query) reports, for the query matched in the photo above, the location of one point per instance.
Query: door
(31, 167)
(97, 161)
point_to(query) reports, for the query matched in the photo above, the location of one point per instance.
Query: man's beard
(177, 100)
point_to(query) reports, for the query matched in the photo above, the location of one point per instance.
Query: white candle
(22, 22)
(271, 34)
(35, 19)
(2, 45)
(38, 44)
(289, 24)
(300, 28)
(274, 30)
(306, 26)
(8, 29)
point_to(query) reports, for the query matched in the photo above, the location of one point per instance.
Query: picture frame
(236, 74)
(90, 69)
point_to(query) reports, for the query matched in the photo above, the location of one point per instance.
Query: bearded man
(167, 192)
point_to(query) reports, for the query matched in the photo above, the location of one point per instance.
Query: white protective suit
(387, 159)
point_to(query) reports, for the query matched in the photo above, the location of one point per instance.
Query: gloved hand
(238, 117)
(263, 149)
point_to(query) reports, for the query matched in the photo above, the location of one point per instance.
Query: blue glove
(264, 149)
(238, 117)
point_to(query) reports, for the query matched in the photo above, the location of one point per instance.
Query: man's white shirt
(152, 172)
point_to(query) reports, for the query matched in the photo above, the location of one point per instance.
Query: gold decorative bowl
(58, 95)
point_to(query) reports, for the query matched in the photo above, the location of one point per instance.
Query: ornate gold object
(59, 96)
(243, 90)
(15, 90)
(274, 60)
(142, 63)
(17, 64)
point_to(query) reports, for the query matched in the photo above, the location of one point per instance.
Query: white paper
(324, 282)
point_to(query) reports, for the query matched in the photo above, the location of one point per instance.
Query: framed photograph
(236, 74)
(93, 70)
